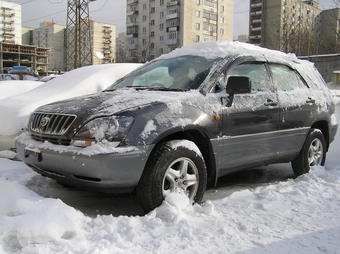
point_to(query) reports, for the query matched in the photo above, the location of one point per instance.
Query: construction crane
(78, 34)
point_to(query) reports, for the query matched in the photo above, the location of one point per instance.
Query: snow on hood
(14, 111)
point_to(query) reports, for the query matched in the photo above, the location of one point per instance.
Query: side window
(285, 79)
(257, 73)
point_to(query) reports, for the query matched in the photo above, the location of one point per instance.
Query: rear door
(251, 122)
(297, 102)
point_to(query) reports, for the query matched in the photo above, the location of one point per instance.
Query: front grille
(56, 141)
(51, 124)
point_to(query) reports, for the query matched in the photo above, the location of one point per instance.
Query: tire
(174, 166)
(313, 153)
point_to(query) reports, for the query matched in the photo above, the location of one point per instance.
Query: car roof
(215, 49)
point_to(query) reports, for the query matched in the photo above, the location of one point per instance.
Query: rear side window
(257, 73)
(285, 79)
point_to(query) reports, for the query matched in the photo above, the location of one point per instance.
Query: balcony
(172, 42)
(172, 15)
(172, 29)
(173, 3)
(256, 21)
(256, 5)
(133, 46)
(132, 24)
(7, 14)
(131, 2)
(132, 35)
(132, 13)
(107, 47)
(255, 29)
(255, 37)
(255, 13)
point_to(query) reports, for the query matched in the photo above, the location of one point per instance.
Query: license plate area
(28, 152)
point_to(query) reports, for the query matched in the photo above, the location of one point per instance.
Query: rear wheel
(313, 153)
(176, 166)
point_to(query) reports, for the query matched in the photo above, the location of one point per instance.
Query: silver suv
(183, 120)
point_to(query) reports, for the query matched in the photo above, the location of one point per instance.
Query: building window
(152, 34)
(144, 30)
(152, 45)
(152, 10)
(161, 2)
(221, 31)
(210, 15)
(161, 26)
(172, 11)
(198, 14)
(144, 18)
(172, 22)
(161, 14)
(222, 20)
(160, 51)
(152, 22)
(209, 27)
(172, 35)
(144, 41)
(210, 3)
(197, 38)
(198, 26)
(161, 38)
(144, 6)
(198, 2)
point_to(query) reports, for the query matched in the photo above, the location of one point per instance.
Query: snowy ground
(298, 215)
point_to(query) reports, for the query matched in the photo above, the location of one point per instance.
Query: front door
(251, 122)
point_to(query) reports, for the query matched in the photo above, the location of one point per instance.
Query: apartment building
(286, 25)
(10, 22)
(330, 33)
(121, 48)
(49, 35)
(103, 39)
(155, 27)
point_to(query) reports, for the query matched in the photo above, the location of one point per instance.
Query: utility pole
(78, 34)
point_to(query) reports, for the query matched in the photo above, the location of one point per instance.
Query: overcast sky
(113, 12)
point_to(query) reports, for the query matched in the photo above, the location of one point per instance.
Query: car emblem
(44, 121)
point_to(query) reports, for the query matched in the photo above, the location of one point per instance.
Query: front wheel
(175, 166)
(313, 153)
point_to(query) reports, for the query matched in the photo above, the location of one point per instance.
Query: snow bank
(15, 87)
(14, 111)
(296, 216)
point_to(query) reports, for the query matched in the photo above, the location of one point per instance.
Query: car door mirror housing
(238, 85)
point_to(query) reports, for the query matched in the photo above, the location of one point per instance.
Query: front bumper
(118, 171)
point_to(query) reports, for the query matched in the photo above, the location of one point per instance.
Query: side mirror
(238, 85)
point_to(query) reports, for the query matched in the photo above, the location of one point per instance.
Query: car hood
(115, 102)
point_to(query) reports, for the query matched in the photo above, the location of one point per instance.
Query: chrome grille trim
(56, 124)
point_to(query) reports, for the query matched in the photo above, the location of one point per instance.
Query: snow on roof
(216, 49)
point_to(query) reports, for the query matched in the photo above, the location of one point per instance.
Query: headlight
(104, 129)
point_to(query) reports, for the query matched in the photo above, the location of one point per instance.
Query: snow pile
(297, 216)
(14, 111)
(15, 87)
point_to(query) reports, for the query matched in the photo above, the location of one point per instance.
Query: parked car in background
(15, 110)
(183, 120)
(48, 78)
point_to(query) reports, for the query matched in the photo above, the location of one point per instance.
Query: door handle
(310, 100)
(270, 103)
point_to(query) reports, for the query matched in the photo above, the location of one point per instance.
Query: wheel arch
(323, 126)
(202, 141)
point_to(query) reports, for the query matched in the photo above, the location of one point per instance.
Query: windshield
(179, 73)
